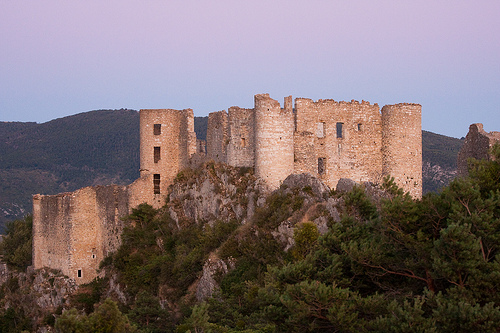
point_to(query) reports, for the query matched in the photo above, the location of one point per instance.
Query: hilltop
(102, 147)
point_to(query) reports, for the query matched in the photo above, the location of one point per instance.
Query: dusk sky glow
(59, 58)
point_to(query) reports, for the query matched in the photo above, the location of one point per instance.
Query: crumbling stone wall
(338, 140)
(273, 140)
(241, 137)
(217, 136)
(74, 232)
(477, 145)
(327, 139)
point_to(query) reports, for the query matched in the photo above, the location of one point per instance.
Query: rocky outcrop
(213, 270)
(35, 293)
(215, 192)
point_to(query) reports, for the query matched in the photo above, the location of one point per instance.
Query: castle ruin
(330, 140)
(477, 145)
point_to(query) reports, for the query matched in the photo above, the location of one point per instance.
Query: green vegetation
(440, 149)
(16, 245)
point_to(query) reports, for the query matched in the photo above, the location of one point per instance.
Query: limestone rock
(208, 284)
(306, 180)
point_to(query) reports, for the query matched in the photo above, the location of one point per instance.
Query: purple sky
(59, 58)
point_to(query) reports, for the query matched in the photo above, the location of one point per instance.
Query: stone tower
(167, 142)
(402, 146)
(274, 129)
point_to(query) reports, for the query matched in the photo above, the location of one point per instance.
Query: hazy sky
(59, 58)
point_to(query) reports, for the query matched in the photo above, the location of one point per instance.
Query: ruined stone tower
(273, 140)
(477, 145)
(402, 146)
(168, 141)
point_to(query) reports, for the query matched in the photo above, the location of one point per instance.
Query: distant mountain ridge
(102, 147)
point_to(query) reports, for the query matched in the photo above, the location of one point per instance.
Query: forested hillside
(222, 255)
(102, 147)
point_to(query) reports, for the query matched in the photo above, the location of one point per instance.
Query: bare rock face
(51, 289)
(306, 180)
(215, 192)
(208, 284)
(345, 185)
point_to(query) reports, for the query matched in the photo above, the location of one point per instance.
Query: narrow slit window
(157, 129)
(360, 127)
(157, 155)
(320, 131)
(79, 273)
(243, 142)
(156, 183)
(340, 130)
(321, 165)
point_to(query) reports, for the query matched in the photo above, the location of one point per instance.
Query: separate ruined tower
(273, 139)
(402, 146)
(477, 145)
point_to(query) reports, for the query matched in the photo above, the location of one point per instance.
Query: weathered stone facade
(477, 145)
(327, 139)
(330, 140)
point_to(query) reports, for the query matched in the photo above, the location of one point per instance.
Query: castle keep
(330, 140)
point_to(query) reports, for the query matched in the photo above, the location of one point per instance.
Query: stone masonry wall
(402, 145)
(167, 142)
(241, 137)
(74, 232)
(477, 144)
(273, 140)
(217, 136)
(338, 140)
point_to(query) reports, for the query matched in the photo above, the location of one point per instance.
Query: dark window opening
(359, 127)
(157, 155)
(79, 273)
(156, 183)
(339, 130)
(157, 129)
(321, 165)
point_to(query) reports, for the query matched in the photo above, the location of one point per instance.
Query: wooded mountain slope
(102, 147)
